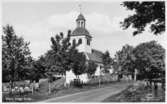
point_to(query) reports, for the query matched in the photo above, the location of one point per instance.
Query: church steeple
(80, 33)
(80, 21)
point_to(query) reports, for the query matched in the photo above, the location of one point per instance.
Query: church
(80, 33)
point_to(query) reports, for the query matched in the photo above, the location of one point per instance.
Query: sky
(37, 21)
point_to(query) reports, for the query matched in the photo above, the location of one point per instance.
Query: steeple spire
(80, 20)
(80, 8)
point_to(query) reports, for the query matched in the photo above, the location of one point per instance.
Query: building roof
(80, 17)
(80, 31)
(95, 56)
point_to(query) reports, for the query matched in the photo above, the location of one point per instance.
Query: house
(80, 33)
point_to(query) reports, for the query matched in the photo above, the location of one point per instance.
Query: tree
(150, 60)
(15, 55)
(62, 52)
(47, 69)
(146, 13)
(107, 61)
(38, 71)
(125, 60)
(91, 68)
(79, 63)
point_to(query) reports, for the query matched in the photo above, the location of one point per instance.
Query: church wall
(82, 47)
(88, 48)
(70, 76)
(98, 70)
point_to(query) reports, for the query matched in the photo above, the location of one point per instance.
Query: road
(94, 95)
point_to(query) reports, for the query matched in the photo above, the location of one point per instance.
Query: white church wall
(70, 76)
(88, 48)
(84, 78)
(82, 47)
(98, 70)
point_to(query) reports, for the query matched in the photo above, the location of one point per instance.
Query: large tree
(151, 13)
(125, 60)
(38, 70)
(63, 55)
(15, 55)
(91, 68)
(107, 61)
(150, 60)
(79, 63)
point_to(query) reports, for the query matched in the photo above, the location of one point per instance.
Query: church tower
(81, 34)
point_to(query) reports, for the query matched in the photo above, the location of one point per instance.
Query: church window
(88, 42)
(80, 41)
(81, 24)
(74, 41)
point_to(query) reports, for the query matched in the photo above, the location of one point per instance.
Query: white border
(6, 1)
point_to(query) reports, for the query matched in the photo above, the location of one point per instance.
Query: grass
(40, 96)
(58, 89)
(73, 89)
(138, 94)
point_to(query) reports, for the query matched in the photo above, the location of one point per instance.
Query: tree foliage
(150, 59)
(79, 63)
(107, 61)
(91, 68)
(146, 13)
(38, 70)
(15, 55)
(63, 55)
(125, 59)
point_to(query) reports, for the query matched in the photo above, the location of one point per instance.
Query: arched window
(82, 24)
(74, 42)
(88, 42)
(80, 41)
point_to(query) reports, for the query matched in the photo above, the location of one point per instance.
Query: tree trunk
(155, 86)
(100, 77)
(12, 73)
(99, 81)
(49, 88)
(135, 75)
(65, 84)
(119, 69)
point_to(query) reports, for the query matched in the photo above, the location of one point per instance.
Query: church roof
(80, 17)
(95, 56)
(80, 31)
